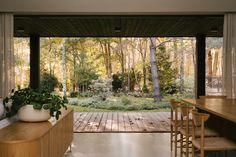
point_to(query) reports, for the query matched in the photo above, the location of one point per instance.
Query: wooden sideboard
(44, 139)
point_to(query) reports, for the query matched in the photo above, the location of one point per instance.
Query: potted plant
(33, 105)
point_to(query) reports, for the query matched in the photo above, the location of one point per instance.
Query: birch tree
(64, 66)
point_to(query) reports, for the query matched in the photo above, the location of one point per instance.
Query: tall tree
(75, 46)
(105, 45)
(215, 63)
(209, 64)
(154, 72)
(64, 66)
(181, 75)
(143, 52)
(175, 46)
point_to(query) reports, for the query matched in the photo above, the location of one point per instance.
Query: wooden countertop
(19, 132)
(225, 108)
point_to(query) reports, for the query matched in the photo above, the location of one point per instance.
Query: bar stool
(207, 143)
(187, 129)
(174, 125)
(184, 129)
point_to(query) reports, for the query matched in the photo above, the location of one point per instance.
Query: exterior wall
(117, 6)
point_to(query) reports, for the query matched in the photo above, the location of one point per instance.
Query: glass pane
(22, 62)
(214, 66)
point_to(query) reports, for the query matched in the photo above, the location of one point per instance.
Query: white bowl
(28, 114)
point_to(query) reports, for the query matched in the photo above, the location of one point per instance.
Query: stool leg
(70, 147)
(176, 135)
(187, 145)
(181, 145)
(171, 137)
(202, 153)
(193, 151)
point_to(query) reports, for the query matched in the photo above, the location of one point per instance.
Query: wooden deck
(95, 122)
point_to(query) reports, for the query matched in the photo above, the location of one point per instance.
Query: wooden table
(222, 114)
(44, 139)
(225, 108)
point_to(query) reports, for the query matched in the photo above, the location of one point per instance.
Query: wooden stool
(186, 129)
(207, 143)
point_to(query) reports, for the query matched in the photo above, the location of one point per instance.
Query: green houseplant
(37, 98)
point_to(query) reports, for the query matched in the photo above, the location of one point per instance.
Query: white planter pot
(28, 114)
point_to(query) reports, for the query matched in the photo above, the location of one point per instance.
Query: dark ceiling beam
(131, 26)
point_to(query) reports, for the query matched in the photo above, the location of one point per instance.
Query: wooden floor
(85, 122)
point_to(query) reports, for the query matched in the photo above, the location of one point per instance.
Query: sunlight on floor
(120, 145)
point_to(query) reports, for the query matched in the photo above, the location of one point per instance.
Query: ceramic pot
(28, 114)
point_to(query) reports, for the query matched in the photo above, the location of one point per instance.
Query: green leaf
(37, 106)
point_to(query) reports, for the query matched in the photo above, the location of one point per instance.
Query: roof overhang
(118, 25)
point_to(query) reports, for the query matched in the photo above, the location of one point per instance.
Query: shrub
(48, 82)
(132, 107)
(148, 106)
(117, 82)
(145, 89)
(73, 94)
(115, 107)
(84, 94)
(125, 101)
(73, 102)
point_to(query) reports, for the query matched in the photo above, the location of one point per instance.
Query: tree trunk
(143, 53)
(21, 68)
(156, 88)
(74, 70)
(107, 54)
(104, 54)
(133, 43)
(209, 64)
(181, 69)
(215, 64)
(50, 56)
(109, 59)
(194, 64)
(144, 65)
(129, 67)
(64, 67)
(122, 57)
(175, 46)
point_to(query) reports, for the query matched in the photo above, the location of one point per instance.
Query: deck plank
(121, 122)
(102, 124)
(108, 127)
(115, 123)
(85, 122)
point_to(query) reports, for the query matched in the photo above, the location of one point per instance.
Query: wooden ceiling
(118, 26)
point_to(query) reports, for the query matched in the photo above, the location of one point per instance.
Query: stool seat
(215, 143)
(208, 132)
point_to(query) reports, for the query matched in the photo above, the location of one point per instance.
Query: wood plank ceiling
(118, 26)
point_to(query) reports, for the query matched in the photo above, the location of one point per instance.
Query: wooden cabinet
(44, 139)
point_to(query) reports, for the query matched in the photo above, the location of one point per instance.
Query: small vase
(28, 114)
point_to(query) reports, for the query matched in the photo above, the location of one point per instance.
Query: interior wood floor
(126, 145)
(135, 122)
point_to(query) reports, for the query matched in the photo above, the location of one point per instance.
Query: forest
(158, 68)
